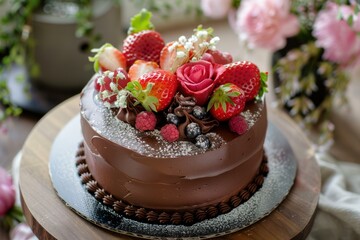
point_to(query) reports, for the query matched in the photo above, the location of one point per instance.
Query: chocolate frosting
(186, 217)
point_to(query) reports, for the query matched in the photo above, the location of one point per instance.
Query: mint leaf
(140, 22)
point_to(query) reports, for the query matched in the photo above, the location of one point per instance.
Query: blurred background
(44, 49)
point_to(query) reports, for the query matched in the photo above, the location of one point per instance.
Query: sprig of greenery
(164, 8)
(303, 74)
(17, 44)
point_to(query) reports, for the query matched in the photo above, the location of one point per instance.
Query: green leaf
(263, 85)
(149, 102)
(350, 20)
(140, 22)
(98, 51)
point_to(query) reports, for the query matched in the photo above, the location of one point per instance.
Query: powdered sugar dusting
(150, 143)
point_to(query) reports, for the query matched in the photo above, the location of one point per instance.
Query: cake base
(156, 216)
(65, 179)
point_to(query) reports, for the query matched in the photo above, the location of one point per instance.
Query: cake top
(181, 91)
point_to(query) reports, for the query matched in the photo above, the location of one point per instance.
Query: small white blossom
(110, 74)
(173, 46)
(121, 99)
(113, 87)
(214, 40)
(120, 75)
(107, 104)
(212, 47)
(182, 40)
(100, 80)
(193, 39)
(188, 46)
(202, 33)
(203, 44)
(180, 54)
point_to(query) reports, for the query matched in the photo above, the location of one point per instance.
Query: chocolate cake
(175, 134)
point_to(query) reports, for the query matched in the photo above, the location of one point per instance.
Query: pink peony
(7, 192)
(266, 23)
(22, 232)
(215, 8)
(197, 79)
(339, 40)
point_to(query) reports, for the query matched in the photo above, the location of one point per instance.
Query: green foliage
(164, 8)
(301, 71)
(141, 22)
(142, 96)
(17, 44)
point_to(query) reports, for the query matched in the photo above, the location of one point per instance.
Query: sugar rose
(197, 79)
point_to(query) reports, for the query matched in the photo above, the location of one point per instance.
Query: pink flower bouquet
(314, 44)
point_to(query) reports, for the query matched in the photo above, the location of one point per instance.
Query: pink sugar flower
(215, 8)
(266, 23)
(336, 36)
(197, 79)
(7, 192)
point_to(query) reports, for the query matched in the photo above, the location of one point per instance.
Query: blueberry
(199, 112)
(202, 141)
(172, 118)
(192, 130)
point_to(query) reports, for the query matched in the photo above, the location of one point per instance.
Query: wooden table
(50, 218)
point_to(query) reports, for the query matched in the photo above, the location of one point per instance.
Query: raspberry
(238, 124)
(170, 132)
(145, 121)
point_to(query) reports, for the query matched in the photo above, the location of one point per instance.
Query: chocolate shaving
(129, 113)
(183, 107)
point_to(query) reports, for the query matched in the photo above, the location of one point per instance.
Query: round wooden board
(51, 219)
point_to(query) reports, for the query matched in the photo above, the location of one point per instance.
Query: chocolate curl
(183, 107)
(129, 113)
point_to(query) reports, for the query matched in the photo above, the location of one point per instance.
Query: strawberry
(107, 58)
(245, 75)
(172, 56)
(154, 90)
(145, 45)
(142, 42)
(216, 56)
(227, 101)
(111, 83)
(140, 67)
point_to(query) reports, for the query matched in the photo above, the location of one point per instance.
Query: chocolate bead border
(166, 217)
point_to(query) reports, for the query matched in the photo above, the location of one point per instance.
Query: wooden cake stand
(49, 217)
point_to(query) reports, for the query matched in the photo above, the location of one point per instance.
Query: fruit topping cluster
(183, 88)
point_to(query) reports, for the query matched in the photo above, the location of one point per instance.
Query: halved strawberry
(111, 83)
(245, 75)
(173, 55)
(107, 58)
(140, 67)
(154, 90)
(227, 101)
